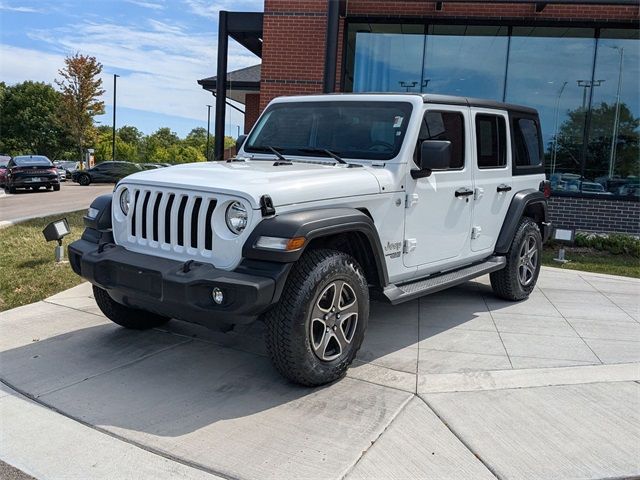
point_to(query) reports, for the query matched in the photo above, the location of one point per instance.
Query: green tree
(81, 87)
(29, 122)
(130, 135)
(627, 152)
(184, 154)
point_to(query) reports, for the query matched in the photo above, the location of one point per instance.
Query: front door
(493, 180)
(438, 213)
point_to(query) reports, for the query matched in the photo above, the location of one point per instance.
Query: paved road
(457, 385)
(27, 204)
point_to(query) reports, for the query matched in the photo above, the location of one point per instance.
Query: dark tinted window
(527, 142)
(445, 126)
(37, 160)
(371, 130)
(491, 138)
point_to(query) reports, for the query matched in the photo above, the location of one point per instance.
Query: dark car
(4, 160)
(31, 171)
(105, 172)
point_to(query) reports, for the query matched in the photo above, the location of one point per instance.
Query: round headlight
(236, 217)
(124, 201)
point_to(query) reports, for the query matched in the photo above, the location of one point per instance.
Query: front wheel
(518, 279)
(125, 316)
(315, 331)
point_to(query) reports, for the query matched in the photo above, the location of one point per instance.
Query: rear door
(437, 218)
(493, 187)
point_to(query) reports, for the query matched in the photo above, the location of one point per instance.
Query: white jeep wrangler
(329, 196)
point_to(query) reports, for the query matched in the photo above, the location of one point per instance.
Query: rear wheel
(56, 188)
(518, 279)
(84, 180)
(315, 331)
(125, 316)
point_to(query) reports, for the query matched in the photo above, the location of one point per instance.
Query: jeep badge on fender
(329, 196)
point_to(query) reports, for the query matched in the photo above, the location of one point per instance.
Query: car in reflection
(4, 159)
(594, 188)
(31, 172)
(105, 172)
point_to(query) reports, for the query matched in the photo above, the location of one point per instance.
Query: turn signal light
(295, 243)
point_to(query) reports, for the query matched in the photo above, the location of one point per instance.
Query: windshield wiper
(266, 148)
(326, 151)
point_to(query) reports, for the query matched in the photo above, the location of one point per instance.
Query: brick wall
(595, 214)
(251, 110)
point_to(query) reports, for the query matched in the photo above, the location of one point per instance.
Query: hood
(251, 179)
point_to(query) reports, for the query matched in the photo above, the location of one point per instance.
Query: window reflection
(613, 150)
(555, 70)
(465, 60)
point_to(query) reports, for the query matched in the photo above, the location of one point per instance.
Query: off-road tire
(125, 316)
(288, 324)
(506, 283)
(84, 180)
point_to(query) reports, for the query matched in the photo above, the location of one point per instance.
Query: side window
(491, 139)
(444, 126)
(527, 142)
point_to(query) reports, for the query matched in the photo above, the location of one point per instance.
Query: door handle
(503, 188)
(463, 192)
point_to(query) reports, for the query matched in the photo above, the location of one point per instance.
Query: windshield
(363, 130)
(35, 160)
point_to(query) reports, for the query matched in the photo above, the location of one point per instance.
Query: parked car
(105, 172)
(152, 166)
(403, 194)
(4, 160)
(31, 171)
(62, 174)
(69, 166)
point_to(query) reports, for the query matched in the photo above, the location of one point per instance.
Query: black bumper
(163, 286)
(26, 182)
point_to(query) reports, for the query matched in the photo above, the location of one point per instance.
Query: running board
(409, 291)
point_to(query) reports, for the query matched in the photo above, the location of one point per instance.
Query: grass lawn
(591, 260)
(28, 271)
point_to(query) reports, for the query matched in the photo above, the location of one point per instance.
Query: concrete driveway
(27, 204)
(456, 385)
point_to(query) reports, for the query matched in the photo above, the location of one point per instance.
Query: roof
(244, 77)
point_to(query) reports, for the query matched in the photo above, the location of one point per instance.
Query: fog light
(217, 295)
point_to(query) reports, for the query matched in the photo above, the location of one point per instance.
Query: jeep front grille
(178, 221)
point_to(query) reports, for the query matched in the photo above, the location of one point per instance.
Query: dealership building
(576, 61)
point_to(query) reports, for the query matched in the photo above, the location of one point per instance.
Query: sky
(160, 48)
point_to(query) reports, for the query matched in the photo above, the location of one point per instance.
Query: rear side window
(445, 126)
(491, 139)
(527, 142)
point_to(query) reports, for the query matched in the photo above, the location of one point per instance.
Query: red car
(4, 159)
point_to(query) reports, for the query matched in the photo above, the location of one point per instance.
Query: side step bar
(409, 291)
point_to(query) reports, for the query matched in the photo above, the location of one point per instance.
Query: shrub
(615, 243)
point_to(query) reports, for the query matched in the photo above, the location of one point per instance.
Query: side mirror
(434, 155)
(240, 141)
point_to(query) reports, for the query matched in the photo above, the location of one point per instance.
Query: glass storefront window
(613, 153)
(550, 70)
(578, 79)
(385, 58)
(465, 60)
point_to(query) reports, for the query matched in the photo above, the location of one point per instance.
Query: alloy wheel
(528, 261)
(334, 319)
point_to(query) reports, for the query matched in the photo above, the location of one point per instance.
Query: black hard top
(476, 102)
(455, 100)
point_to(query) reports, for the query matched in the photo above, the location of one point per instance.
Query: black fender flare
(313, 224)
(519, 204)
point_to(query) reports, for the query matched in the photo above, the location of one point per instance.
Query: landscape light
(55, 232)
(563, 235)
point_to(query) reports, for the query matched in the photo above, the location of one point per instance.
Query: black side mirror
(240, 141)
(434, 155)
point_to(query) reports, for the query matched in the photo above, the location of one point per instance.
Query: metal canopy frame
(246, 29)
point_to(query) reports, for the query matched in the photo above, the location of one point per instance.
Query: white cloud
(6, 7)
(211, 8)
(158, 63)
(147, 4)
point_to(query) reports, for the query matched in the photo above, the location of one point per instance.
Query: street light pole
(616, 118)
(555, 128)
(113, 139)
(208, 129)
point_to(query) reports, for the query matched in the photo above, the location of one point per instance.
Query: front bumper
(177, 290)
